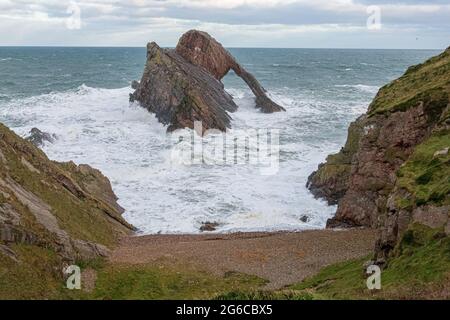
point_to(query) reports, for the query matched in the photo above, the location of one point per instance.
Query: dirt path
(281, 258)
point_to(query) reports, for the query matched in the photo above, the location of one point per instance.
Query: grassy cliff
(29, 178)
(429, 81)
(426, 174)
(400, 178)
(50, 215)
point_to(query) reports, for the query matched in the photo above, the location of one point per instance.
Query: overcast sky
(235, 23)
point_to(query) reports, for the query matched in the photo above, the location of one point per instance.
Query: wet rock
(39, 138)
(304, 218)
(209, 226)
(134, 84)
(183, 86)
(180, 93)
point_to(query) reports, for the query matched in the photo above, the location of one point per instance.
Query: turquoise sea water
(29, 71)
(81, 95)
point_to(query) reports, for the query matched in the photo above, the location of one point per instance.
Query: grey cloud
(132, 21)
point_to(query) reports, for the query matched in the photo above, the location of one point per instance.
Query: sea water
(81, 95)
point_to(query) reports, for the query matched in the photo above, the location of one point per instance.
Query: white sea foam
(99, 127)
(9, 59)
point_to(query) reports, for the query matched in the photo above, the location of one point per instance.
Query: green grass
(163, 282)
(429, 81)
(419, 269)
(39, 275)
(341, 281)
(36, 276)
(82, 217)
(426, 177)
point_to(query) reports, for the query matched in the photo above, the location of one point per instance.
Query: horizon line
(229, 47)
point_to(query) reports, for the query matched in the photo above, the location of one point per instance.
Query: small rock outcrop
(93, 182)
(39, 138)
(209, 226)
(394, 171)
(304, 218)
(183, 86)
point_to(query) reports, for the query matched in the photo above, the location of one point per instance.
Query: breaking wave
(101, 128)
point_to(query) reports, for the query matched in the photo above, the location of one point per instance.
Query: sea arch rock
(182, 86)
(200, 49)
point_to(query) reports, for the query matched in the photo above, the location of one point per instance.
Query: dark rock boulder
(183, 86)
(39, 138)
(209, 226)
(134, 84)
(304, 218)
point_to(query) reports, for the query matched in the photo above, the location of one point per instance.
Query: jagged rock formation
(396, 172)
(200, 49)
(182, 86)
(93, 182)
(180, 93)
(62, 207)
(39, 138)
(331, 180)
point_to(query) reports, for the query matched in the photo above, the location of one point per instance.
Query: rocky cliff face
(62, 207)
(182, 86)
(331, 180)
(394, 170)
